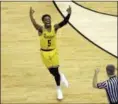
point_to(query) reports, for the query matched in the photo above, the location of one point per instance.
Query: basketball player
(49, 54)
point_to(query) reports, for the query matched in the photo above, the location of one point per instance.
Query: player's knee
(54, 71)
(51, 70)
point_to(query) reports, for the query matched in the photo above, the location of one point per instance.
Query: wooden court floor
(24, 77)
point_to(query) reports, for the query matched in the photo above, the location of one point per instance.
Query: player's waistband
(46, 49)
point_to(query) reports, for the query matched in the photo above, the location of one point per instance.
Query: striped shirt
(111, 87)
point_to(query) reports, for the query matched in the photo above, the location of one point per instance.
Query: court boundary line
(94, 10)
(117, 36)
(51, 1)
(55, 103)
(83, 34)
(0, 57)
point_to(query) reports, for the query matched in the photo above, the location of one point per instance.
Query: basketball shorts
(50, 58)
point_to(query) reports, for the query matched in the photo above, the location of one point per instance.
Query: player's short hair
(110, 69)
(45, 15)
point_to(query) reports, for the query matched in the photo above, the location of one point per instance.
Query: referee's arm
(101, 85)
(95, 78)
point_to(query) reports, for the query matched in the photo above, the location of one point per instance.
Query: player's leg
(55, 72)
(54, 68)
(48, 59)
(55, 62)
(64, 81)
(51, 62)
(55, 65)
(59, 77)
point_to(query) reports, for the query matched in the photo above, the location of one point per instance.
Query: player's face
(47, 21)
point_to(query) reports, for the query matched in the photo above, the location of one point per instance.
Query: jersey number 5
(49, 43)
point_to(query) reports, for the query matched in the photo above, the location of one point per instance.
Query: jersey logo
(48, 36)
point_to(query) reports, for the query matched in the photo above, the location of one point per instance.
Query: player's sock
(64, 80)
(59, 93)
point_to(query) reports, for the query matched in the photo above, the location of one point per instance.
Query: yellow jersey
(48, 39)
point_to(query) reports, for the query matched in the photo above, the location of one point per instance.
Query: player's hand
(97, 71)
(31, 11)
(69, 10)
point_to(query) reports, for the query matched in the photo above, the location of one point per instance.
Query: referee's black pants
(114, 103)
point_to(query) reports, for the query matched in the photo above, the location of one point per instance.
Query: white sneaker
(59, 94)
(64, 80)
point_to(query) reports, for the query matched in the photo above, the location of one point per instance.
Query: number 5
(49, 43)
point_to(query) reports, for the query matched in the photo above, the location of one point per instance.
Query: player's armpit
(39, 33)
(56, 27)
(39, 28)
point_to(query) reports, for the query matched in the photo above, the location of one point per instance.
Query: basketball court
(25, 79)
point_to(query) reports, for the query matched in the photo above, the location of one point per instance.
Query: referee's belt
(46, 49)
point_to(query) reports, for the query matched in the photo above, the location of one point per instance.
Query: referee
(110, 85)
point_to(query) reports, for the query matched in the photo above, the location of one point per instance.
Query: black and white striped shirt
(111, 87)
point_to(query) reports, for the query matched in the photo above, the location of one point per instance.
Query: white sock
(59, 93)
(58, 87)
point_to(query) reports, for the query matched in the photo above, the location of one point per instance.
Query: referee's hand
(97, 71)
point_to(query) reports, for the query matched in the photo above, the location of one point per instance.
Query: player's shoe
(64, 80)
(59, 94)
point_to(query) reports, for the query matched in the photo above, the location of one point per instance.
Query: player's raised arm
(65, 21)
(37, 26)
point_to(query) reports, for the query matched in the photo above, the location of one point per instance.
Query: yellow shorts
(50, 58)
